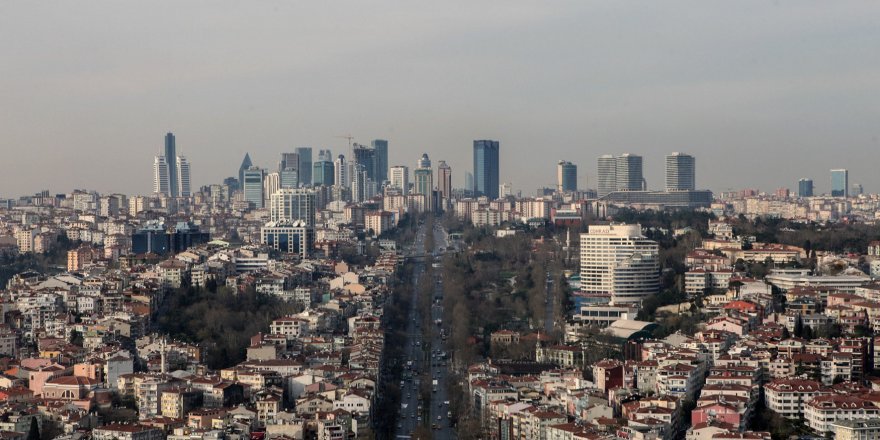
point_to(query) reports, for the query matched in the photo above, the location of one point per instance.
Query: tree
(34, 431)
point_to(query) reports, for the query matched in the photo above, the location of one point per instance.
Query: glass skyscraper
(253, 186)
(366, 157)
(171, 160)
(323, 173)
(305, 165)
(607, 172)
(629, 172)
(566, 176)
(486, 170)
(805, 187)
(839, 183)
(380, 146)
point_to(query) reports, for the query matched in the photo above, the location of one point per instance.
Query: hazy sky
(762, 93)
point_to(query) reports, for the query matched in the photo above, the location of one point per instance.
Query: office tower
(291, 237)
(289, 161)
(469, 181)
(340, 172)
(183, 179)
(325, 155)
(323, 173)
(566, 176)
(505, 190)
(607, 175)
(424, 181)
(680, 172)
(628, 170)
(486, 172)
(271, 184)
(291, 204)
(171, 160)
(839, 183)
(245, 164)
(805, 187)
(252, 185)
(289, 178)
(857, 189)
(304, 168)
(380, 146)
(400, 178)
(365, 157)
(444, 180)
(160, 176)
(617, 260)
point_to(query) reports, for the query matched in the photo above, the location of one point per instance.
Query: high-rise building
(160, 176)
(805, 187)
(325, 155)
(323, 173)
(271, 184)
(289, 204)
(628, 170)
(361, 184)
(366, 157)
(289, 161)
(289, 178)
(245, 164)
(444, 180)
(340, 170)
(304, 167)
(469, 181)
(486, 170)
(424, 181)
(607, 175)
(183, 177)
(252, 186)
(617, 260)
(680, 172)
(566, 176)
(381, 148)
(857, 190)
(400, 178)
(171, 160)
(839, 183)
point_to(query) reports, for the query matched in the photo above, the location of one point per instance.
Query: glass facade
(486, 169)
(839, 183)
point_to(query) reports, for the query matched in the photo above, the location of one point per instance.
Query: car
(439, 418)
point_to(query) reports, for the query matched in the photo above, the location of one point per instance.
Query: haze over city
(760, 93)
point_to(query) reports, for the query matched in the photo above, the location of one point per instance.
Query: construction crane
(349, 137)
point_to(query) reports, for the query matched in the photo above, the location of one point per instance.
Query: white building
(617, 260)
(400, 178)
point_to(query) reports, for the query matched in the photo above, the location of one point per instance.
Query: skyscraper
(486, 170)
(340, 170)
(289, 204)
(289, 161)
(160, 176)
(271, 184)
(366, 157)
(424, 181)
(444, 180)
(252, 185)
(469, 181)
(245, 164)
(323, 173)
(607, 175)
(289, 178)
(381, 148)
(305, 165)
(617, 260)
(566, 176)
(171, 160)
(805, 187)
(680, 172)
(839, 183)
(400, 178)
(628, 168)
(183, 179)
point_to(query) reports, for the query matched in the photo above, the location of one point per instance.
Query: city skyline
(757, 83)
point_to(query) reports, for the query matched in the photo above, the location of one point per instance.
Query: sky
(762, 93)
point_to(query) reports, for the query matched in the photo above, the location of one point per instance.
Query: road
(419, 361)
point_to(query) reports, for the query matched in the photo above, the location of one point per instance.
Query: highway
(421, 359)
